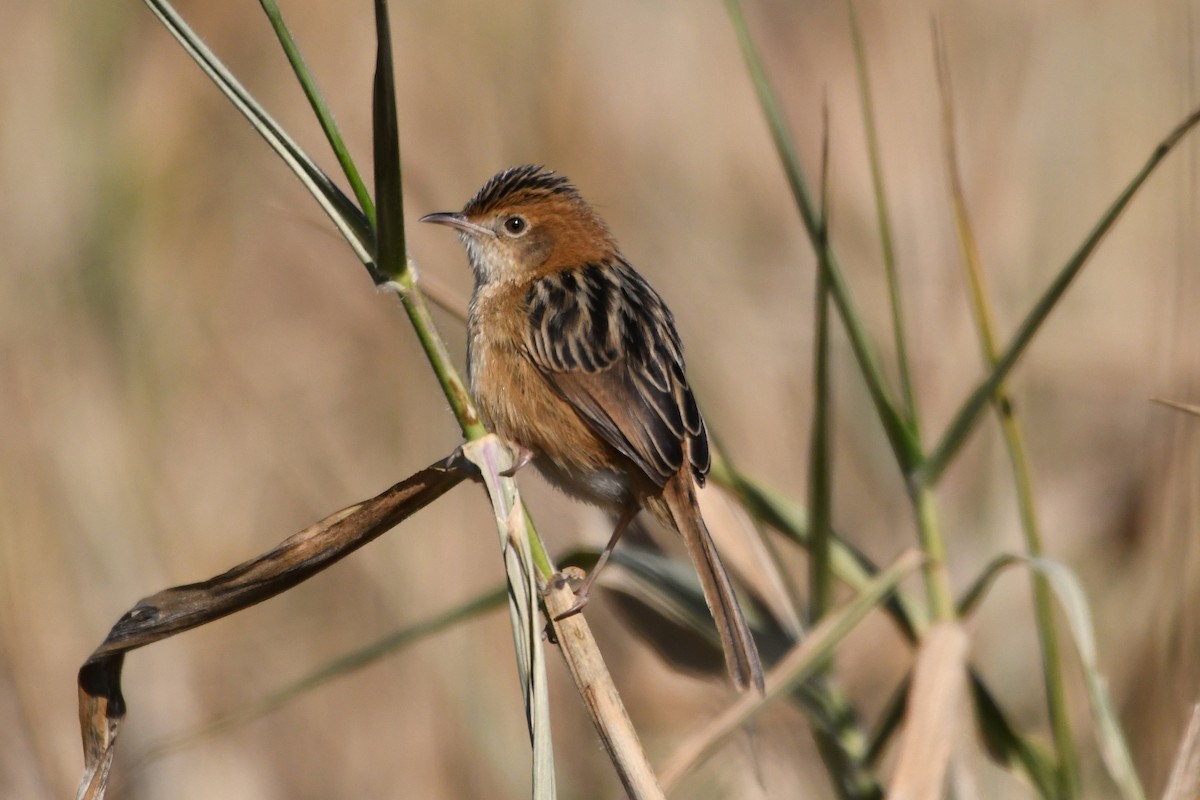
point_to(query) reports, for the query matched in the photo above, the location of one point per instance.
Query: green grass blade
(850, 565)
(884, 216)
(889, 720)
(365, 656)
(856, 571)
(320, 108)
(346, 217)
(393, 257)
(820, 457)
(1007, 746)
(983, 583)
(900, 437)
(1113, 748)
(968, 415)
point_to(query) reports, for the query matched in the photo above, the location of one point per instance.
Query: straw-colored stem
(935, 570)
(1014, 441)
(600, 696)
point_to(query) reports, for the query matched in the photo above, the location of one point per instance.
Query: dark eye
(515, 225)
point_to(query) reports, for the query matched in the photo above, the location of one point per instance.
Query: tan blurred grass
(186, 348)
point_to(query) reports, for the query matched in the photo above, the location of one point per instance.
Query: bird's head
(527, 221)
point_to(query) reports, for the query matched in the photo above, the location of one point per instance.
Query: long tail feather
(741, 654)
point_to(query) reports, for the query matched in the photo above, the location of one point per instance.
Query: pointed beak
(457, 220)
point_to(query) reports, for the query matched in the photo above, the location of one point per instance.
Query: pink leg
(581, 594)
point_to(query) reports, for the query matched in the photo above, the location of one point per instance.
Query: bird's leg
(523, 456)
(581, 594)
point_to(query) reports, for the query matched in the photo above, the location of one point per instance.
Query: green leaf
(1113, 749)
(797, 666)
(899, 435)
(339, 667)
(968, 415)
(393, 258)
(320, 108)
(1007, 746)
(347, 217)
(883, 215)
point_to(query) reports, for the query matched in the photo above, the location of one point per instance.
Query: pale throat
(489, 263)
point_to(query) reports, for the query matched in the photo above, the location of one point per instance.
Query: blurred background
(193, 366)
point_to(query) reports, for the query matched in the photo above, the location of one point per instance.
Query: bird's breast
(519, 405)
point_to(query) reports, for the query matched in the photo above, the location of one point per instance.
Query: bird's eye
(515, 225)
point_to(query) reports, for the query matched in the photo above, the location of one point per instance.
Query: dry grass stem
(599, 693)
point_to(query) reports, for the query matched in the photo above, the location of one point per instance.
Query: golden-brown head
(525, 221)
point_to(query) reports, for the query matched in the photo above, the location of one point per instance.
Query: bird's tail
(741, 654)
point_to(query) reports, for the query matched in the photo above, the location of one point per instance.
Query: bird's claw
(523, 456)
(458, 462)
(581, 600)
(565, 578)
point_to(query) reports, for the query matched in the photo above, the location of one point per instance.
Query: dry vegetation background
(193, 366)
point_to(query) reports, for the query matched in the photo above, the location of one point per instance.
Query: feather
(607, 344)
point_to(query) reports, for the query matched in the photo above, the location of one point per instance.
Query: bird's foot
(522, 455)
(565, 578)
(581, 600)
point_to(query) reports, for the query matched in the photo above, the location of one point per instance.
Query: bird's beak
(457, 220)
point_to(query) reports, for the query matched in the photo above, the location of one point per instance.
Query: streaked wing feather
(606, 342)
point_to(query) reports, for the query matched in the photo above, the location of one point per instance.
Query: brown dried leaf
(181, 608)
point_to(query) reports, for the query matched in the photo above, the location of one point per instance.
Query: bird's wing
(606, 342)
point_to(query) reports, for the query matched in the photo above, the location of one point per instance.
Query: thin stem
(820, 479)
(885, 220)
(345, 215)
(936, 570)
(1055, 683)
(900, 436)
(537, 549)
(321, 109)
(439, 357)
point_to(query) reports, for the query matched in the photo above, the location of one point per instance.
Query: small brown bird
(574, 357)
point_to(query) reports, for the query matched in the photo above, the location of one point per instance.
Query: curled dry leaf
(181, 608)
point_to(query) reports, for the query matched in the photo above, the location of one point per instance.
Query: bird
(575, 359)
